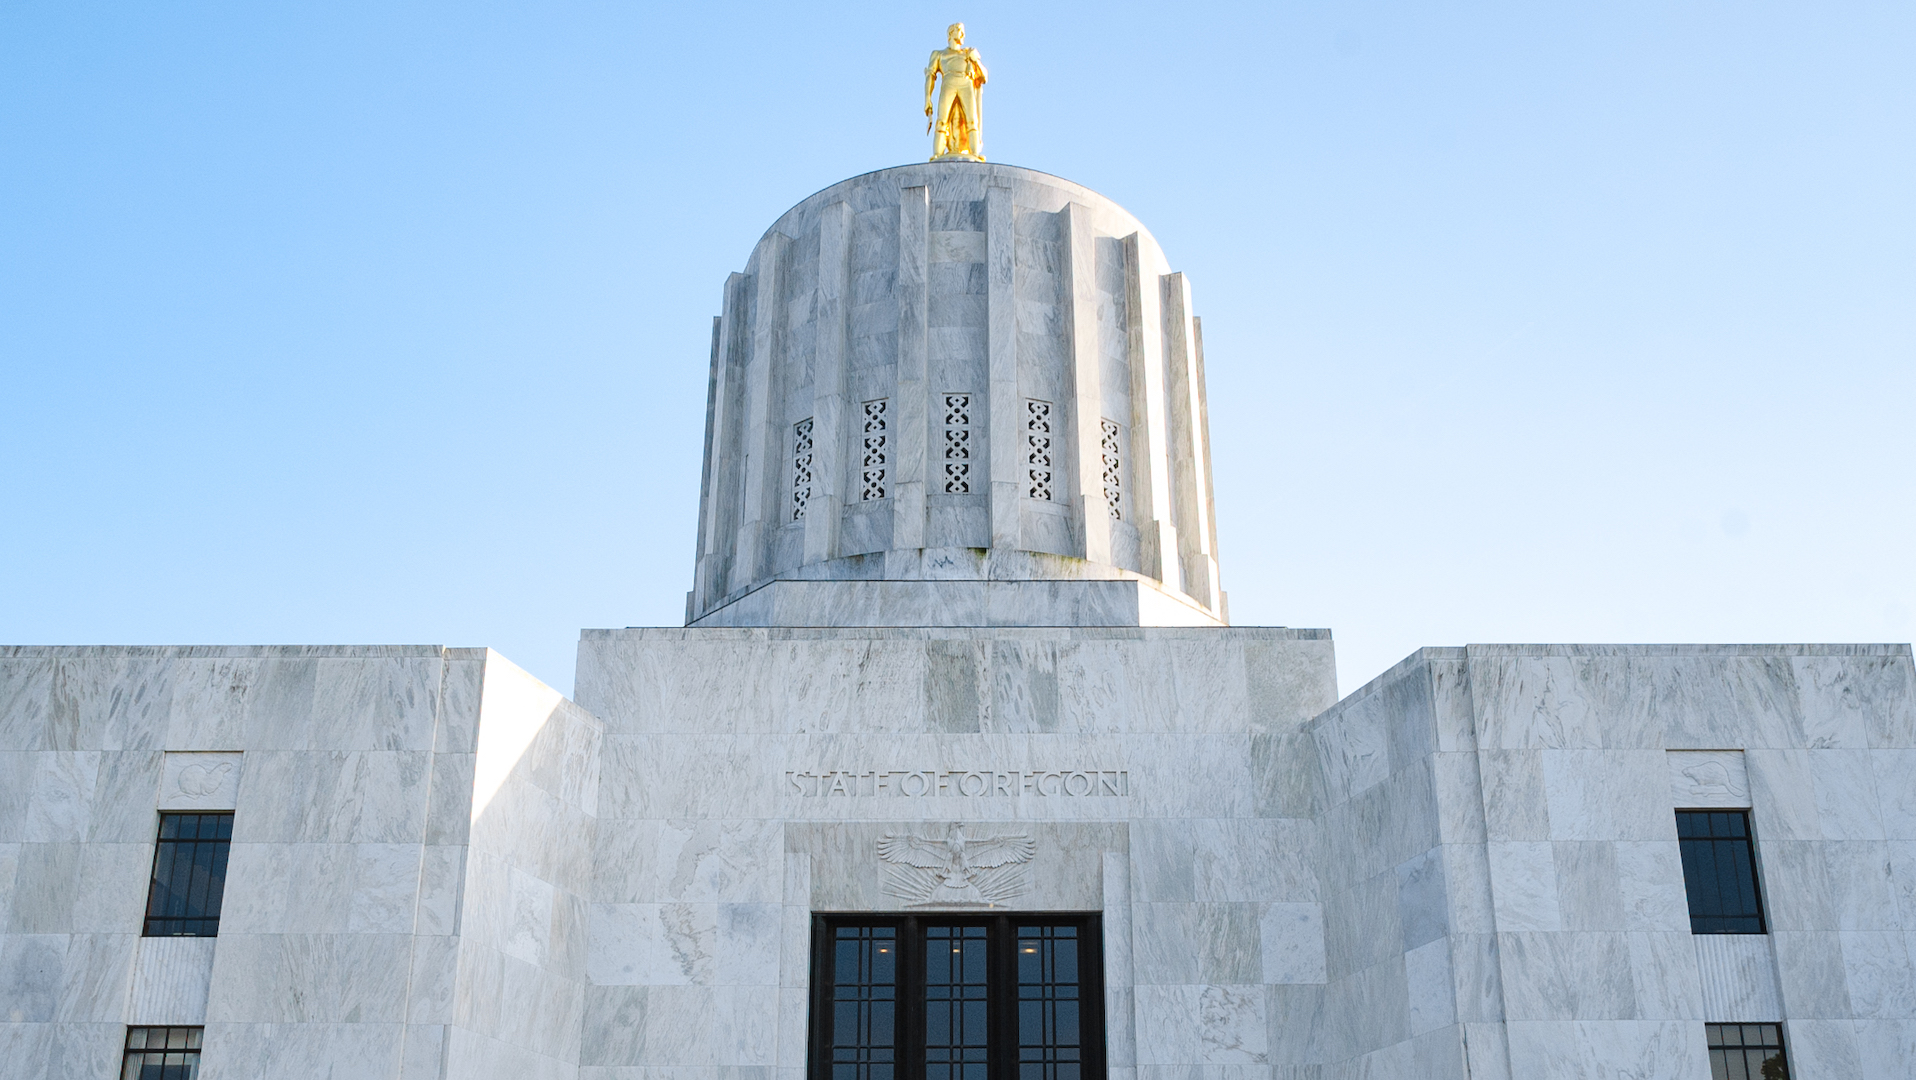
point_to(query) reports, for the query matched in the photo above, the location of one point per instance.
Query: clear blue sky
(354, 323)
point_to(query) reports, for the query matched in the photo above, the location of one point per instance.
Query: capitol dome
(958, 394)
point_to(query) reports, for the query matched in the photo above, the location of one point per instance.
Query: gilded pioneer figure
(952, 108)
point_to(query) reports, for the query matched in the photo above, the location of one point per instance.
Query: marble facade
(1467, 868)
(1502, 860)
(409, 872)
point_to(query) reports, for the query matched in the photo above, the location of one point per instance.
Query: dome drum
(962, 373)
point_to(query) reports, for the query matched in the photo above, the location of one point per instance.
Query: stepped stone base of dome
(1121, 602)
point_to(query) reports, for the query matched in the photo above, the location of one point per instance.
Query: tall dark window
(161, 1053)
(999, 997)
(1719, 871)
(1746, 1052)
(189, 875)
(956, 987)
(862, 1018)
(1050, 1002)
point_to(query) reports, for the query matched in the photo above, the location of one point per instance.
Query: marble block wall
(358, 854)
(1504, 894)
(750, 773)
(1116, 601)
(1467, 868)
(956, 371)
(517, 1000)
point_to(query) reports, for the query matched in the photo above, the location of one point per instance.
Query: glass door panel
(957, 998)
(864, 1020)
(1050, 1046)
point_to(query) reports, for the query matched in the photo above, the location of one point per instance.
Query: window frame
(1755, 864)
(1713, 1044)
(216, 872)
(193, 1034)
(1001, 977)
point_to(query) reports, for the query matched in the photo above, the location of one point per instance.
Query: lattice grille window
(957, 444)
(1108, 446)
(1038, 449)
(801, 467)
(877, 449)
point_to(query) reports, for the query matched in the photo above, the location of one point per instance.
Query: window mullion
(158, 894)
(823, 993)
(1751, 879)
(1091, 994)
(199, 876)
(911, 1004)
(1002, 993)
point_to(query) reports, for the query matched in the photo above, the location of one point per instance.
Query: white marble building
(957, 662)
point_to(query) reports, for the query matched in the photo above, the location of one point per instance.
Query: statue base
(959, 157)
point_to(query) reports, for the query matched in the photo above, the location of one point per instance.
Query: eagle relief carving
(955, 870)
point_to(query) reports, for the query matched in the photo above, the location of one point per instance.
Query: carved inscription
(966, 783)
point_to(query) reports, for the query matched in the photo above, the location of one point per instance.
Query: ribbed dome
(975, 390)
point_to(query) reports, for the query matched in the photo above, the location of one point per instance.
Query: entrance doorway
(985, 997)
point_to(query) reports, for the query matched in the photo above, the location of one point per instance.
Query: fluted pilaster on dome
(971, 393)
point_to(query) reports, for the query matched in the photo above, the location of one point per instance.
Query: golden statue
(954, 114)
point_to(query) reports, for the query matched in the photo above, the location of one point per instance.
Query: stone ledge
(938, 633)
(1065, 603)
(360, 652)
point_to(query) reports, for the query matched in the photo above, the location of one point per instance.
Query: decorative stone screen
(957, 444)
(877, 449)
(801, 467)
(1038, 449)
(1108, 448)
